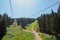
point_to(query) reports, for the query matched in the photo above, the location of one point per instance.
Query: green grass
(29, 27)
(34, 24)
(15, 33)
(47, 37)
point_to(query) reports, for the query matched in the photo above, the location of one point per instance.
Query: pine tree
(58, 11)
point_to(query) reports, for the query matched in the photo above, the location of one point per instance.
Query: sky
(26, 8)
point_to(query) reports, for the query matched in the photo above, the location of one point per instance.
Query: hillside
(42, 35)
(15, 32)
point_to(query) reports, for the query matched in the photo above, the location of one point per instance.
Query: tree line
(24, 21)
(50, 23)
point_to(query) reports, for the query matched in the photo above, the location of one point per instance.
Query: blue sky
(26, 8)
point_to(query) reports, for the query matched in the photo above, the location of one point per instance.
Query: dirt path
(37, 37)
